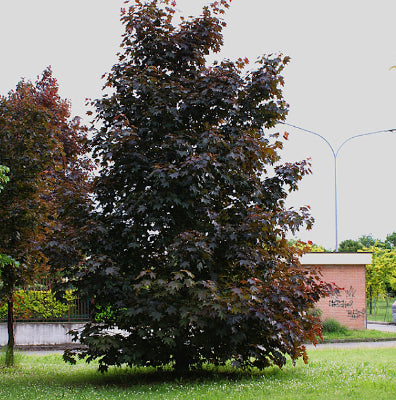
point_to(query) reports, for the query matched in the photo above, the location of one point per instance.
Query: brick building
(347, 271)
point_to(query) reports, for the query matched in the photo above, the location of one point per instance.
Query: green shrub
(332, 326)
(38, 305)
(316, 312)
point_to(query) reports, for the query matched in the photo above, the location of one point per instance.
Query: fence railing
(380, 309)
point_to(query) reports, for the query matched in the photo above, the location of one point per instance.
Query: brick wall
(347, 271)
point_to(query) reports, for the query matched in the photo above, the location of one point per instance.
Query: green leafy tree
(5, 262)
(9, 277)
(189, 258)
(350, 246)
(390, 240)
(42, 208)
(381, 273)
(368, 240)
(3, 176)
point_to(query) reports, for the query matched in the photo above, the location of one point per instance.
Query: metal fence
(380, 309)
(78, 311)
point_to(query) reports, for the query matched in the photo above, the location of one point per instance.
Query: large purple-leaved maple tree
(189, 262)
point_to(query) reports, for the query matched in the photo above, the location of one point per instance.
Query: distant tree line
(366, 241)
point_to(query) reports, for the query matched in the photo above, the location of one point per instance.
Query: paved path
(382, 327)
(40, 352)
(342, 345)
(353, 345)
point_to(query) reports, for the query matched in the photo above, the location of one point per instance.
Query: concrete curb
(69, 346)
(46, 347)
(359, 340)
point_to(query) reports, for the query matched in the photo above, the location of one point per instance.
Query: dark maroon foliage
(189, 259)
(45, 205)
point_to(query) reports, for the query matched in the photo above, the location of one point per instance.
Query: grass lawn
(331, 374)
(354, 335)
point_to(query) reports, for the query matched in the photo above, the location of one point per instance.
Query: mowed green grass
(363, 335)
(330, 374)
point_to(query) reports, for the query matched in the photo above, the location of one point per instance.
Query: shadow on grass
(52, 371)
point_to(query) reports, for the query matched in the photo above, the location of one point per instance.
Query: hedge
(39, 305)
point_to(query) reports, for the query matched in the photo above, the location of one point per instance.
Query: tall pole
(336, 200)
(335, 157)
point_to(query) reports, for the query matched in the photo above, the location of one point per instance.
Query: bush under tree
(189, 260)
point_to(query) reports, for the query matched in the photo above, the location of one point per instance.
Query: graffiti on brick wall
(340, 303)
(356, 314)
(350, 293)
(344, 299)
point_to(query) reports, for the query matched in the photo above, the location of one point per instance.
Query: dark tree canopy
(44, 206)
(48, 188)
(189, 258)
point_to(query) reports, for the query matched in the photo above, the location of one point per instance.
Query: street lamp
(335, 153)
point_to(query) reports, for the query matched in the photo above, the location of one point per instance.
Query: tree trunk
(11, 341)
(181, 355)
(181, 363)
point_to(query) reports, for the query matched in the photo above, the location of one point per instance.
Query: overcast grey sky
(338, 84)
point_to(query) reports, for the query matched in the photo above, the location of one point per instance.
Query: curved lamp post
(335, 153)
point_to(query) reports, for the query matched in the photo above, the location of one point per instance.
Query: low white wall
(319, 258)
(39, 333)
